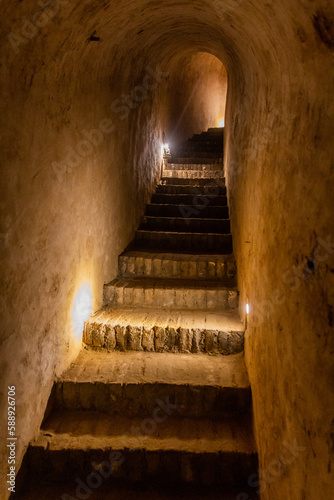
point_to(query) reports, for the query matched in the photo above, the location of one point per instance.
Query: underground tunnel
(90, 92)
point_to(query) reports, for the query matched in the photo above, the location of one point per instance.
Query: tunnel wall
(64, 220)
(280, 184)
(76, 175)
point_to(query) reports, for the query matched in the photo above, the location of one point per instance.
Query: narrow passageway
(161, 386)
(89, 89)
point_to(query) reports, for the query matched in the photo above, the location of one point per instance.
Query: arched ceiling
(239, 32)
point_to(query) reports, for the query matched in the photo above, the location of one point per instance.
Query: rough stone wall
(280, 182)
(76, 175)
(61, 228)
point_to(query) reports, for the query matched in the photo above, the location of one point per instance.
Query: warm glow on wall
(82, 308)
(221, 122)
(165, 150)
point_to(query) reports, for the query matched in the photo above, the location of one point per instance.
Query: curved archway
(68, 73)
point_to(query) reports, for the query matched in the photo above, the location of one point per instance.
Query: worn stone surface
(170, 294)
(66, 434)
(161, 330)
(185, 173)
(129, 384)
(131, 367)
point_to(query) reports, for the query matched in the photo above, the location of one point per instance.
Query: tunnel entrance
(197, 96)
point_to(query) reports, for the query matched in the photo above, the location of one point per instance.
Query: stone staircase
(158, 404)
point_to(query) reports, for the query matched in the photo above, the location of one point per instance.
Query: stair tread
(97, 430)
(187, 195)
(196, 173)
(198, 168)
(204, 162)
(137, 492)
(163, 368)
(178, 256)
(176, 204)
(183, 233)
(161, 184)
(169, 283)
(190, 219)
(218, 321)
(146, 248)
(185, 181)
(211, 211)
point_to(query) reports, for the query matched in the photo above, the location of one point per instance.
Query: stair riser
(198, 200)
(210, 138)
(203, 142)
(135, 267)
(162, 339)
(159, 467)
(193, 174)
(198, 152)
(218, 244)
(193, 182)
(195, 164)
(140, 400)
(191, 145)
(161, 210)
(185, 225)
(210, 189)
(222, 300)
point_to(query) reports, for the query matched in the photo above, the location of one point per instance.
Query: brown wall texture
(87, 89)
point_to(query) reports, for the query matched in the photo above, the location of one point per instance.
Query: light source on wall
(165, 149)
(221, 123)
(247, 314)
(82, 308)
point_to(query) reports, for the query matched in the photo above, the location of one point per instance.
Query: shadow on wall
(197, 96)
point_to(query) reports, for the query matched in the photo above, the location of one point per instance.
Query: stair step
(158, 450)
(195, 163)
(220, 181)
(215, 146)
(197, 200)
(211, 132)
(194, 190)
(118, 489)
(129, 384)
(170, 265)
(198, 151)
(169, 293)
(165, 330)
(193, 174)
(207, 139)
(187, 242)
(165, 210)
(185, 224)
